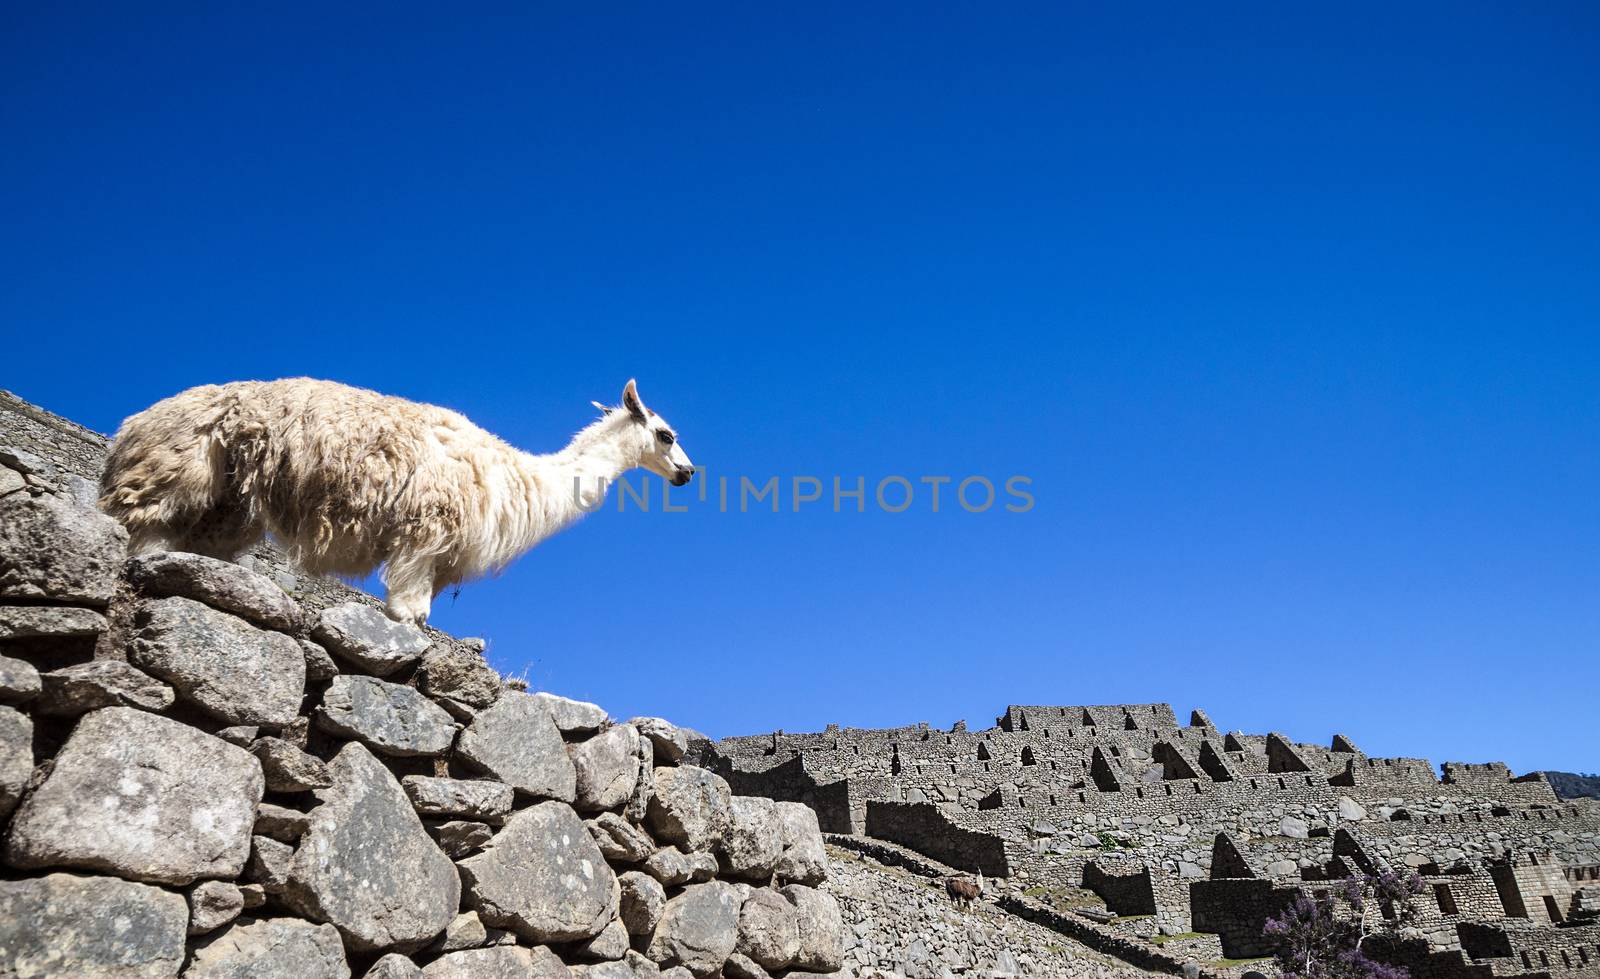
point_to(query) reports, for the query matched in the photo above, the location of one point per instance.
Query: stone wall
(210, 770)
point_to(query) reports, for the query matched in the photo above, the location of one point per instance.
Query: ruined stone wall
(212, 770)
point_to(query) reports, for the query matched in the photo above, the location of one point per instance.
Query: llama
(964, 890)
(348, 480)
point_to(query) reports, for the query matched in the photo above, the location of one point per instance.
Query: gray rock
(691, 807)
(1294, 827)
(224, 665)
(821, 929)
(1351, 810)
(619, 840)
(34, 621)
(243, 735)
(479, 800)
(572, 717)
(456, 673)
(212, 904)
(669, 742)
(270, 948)
(702, 865)
(269, 865)
(699, 928)
(638, 807)
(19, 681)
(254, 896)
(394, 966)
(83, 687)
(466, 930)
(542, 877)
(1282, 868)
(222, 585)
(741, 966)
(643, 900)
(89, 928)
(368, 638)
(319, 665)
(172, 804)
(503, 962)
(610, 945)
(460, 838)
(607, 768)
(389, 718)
(1188, 869)
(53, 549)
(516, 741)
(769, 930)
(40, 473)
(16, 758)
(365, 864)
(288, 769)
(283, 825)
(753, 841)
(81, 491)
(669, 866)
(11, 481)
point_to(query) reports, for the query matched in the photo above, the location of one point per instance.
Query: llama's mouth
(682, 477)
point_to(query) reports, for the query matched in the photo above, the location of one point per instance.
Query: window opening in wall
(1281, 784)
(1544, 957)
(1553, 909)
(1139, 792)
(1446, 900)
(1027, 756)
(1527, 963)
(1052, 800)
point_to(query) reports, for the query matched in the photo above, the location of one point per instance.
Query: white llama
(348, 480)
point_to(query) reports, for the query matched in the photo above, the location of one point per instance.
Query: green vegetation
(1164, 939)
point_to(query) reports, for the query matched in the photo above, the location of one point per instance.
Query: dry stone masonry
(1117, 824)
(214, 770)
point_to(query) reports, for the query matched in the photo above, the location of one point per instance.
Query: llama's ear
(630, 400)
(604, 409)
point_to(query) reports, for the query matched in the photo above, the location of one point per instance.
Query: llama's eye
(666, 437)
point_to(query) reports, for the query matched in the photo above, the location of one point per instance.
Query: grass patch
(1230, 963)
(1164, 939)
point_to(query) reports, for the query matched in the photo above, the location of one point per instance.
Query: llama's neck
(562, 486)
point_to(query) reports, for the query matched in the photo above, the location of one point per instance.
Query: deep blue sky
(1290, 314)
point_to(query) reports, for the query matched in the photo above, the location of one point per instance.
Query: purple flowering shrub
(1322, 937)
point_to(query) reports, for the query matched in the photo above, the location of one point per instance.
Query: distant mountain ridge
(1571, 785)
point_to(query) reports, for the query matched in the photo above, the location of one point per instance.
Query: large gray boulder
(90, 928)
(270, 948)
(669, 742)
(366, 866)
(471, 799)
(389, 718)
(620, 840)
(288, 769)
(699, 928)
(691, 807)
(16, 758)
(573, 717)
(227, 667)
(220, 584)
(368, 638)
(643, 900)
(170, 804)
(769, 931)
(607, 768)
(516, 741)
(821, 929)
(804, 860)
(19, 681)
(53, 549)
(49, 621)
(212, 904)
(394, 966)
(456, 673)
(83, 687)
(542, 877)
(753, 841)
(501, 962)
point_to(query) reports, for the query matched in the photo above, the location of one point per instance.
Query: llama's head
(657, 443)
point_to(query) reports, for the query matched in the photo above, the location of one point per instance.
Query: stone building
(1189, 836)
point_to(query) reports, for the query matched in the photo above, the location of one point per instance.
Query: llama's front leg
(410, 594)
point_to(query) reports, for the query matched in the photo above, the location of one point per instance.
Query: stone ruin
(216, 770)
(1188, 838)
